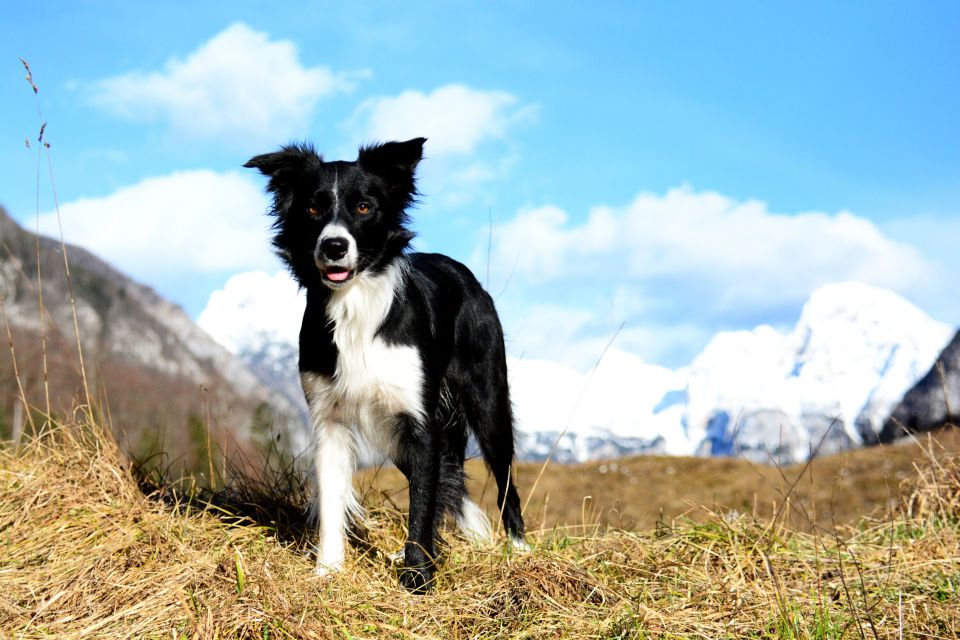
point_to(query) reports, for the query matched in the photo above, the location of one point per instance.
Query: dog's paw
(418, 570)
(323, 570)
(417, 580)
(397, 557)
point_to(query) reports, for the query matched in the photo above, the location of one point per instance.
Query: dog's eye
(312, 210)
(363, 207)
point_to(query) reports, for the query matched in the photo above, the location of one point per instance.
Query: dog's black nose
(334, 248)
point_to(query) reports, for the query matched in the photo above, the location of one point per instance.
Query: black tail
(490, 417)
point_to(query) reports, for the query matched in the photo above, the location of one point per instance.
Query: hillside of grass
(85, 553)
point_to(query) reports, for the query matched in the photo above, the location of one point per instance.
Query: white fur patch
(374, 381)
(519, 544)
(334, 469)
(355, 411)
(473, 522)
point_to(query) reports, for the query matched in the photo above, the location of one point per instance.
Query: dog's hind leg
(491, 419)
(471, 520)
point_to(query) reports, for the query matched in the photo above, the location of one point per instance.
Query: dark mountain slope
(933, 402)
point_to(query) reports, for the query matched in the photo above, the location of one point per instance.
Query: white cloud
(745, 253)
(536, 330)
(455, 118)
(675, 268)
(937, 234)
(185, 223)
(239, 83)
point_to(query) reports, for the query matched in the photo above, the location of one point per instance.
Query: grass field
(84, 553)
(637, 492)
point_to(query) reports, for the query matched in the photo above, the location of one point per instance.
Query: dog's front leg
(420, 449)
(334, 464)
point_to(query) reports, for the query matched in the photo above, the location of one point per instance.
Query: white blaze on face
(336, 190)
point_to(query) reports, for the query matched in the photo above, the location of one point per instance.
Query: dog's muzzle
(336, 260)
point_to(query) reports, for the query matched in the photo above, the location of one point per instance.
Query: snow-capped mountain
(760, 394)
(853, 354)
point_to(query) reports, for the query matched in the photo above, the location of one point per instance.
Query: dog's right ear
(290, 160)
(393, 157)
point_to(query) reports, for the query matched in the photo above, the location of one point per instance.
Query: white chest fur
(374, 381)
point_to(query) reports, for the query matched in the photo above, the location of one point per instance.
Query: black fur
(438, 308)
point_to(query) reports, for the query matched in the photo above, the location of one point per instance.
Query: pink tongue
(338, 276)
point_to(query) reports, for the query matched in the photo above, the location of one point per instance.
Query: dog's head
(337, 220)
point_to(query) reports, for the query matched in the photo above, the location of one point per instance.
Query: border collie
(400, 353)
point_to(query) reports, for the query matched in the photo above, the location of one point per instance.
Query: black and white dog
(400, 352)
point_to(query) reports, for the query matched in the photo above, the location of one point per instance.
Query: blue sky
(680, 168)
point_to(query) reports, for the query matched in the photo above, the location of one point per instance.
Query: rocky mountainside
(133, 340)
(763, 395)
(933, 402)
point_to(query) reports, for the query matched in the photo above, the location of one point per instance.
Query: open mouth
(337, 275)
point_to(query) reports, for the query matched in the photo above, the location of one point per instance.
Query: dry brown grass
(640, 491)
(83, 553)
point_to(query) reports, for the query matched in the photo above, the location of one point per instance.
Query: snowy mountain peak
(855, 316)
(609, 410)
(254, 309)
(859, 302)
(867, 345)
(853, 353)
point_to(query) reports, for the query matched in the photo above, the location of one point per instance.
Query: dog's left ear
(392, 157)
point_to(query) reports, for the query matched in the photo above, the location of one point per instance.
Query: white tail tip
(473, 523)
(519, 544)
